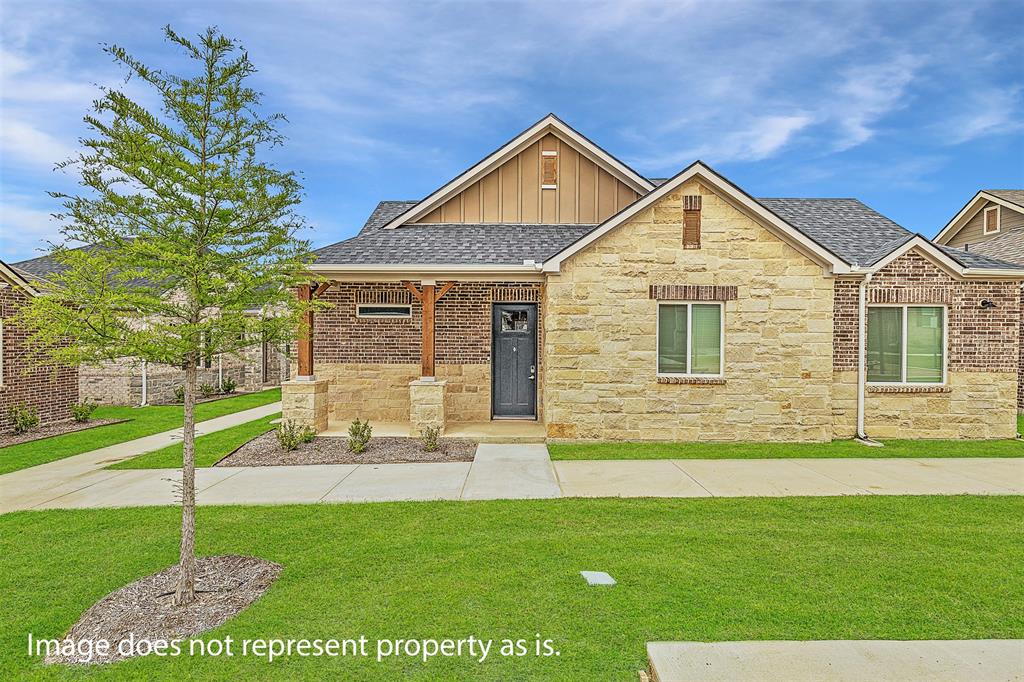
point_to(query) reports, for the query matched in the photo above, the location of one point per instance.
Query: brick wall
(50, 390)
(462, 324)
(982, 389)
(980, 340)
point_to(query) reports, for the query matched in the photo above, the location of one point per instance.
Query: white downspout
(220, 372)
(862, 336)
(145, 384)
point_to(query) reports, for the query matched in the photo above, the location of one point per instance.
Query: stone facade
(600, 340)
(978, 400)
(51, 391)
(305, 402)
(426, 405)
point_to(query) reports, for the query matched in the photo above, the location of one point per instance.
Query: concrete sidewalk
(510, 472)
(31, 487)
(982, 660)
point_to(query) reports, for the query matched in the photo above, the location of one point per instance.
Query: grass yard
(785, 568)
(145, 421)
(838, 448)
(210, 448)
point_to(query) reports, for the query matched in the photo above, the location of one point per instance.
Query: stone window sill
(909, 389)
(696, 381)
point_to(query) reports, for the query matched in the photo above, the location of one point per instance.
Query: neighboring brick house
(550, 282)
(992, 224)
(129, 381)
(49, 390)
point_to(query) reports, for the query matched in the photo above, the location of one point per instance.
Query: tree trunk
(186, 592)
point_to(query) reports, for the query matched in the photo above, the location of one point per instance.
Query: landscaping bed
(144, 609)
(265, 450)
(57, 429)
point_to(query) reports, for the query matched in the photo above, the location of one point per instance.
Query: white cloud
(869, 92)
(25, 227)
(24, 143)
(988, 111)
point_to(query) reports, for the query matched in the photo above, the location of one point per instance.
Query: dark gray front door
(514, 360)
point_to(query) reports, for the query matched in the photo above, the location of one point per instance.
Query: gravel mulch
(54, 430)
(266, 451)
(225, 586)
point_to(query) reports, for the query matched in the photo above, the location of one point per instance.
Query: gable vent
(549, 169)
(691, 221)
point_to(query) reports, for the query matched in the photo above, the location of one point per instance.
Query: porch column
(305, 342)
(427, 357)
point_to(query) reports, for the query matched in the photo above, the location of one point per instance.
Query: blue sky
(909, 106)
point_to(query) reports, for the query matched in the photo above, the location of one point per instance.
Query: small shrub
(359, 435)
(179, 394)
(430, 438)
(290, 435)
(23, 419)
(228, 385)
(83, 410)
(207, 390)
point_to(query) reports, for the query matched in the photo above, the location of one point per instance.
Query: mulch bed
(57, 429)
(266, 451)
(225, 586)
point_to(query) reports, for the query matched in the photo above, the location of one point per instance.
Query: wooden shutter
(549, 169)
(991, 220)
(691, 222)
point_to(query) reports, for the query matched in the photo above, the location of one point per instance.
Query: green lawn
(210, 449)
(789, 568)
(838, 448)
(145, 421)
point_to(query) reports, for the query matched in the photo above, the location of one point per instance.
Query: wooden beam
(305, 343)
(444, 290)
(324, 286)
(412, 287)
(427, 358)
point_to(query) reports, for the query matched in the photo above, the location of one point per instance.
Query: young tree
(191, 230)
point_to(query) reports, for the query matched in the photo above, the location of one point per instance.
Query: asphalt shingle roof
(1007, 246)
(854, 232)
(44, 266)
(846, 227)
(1015, 196)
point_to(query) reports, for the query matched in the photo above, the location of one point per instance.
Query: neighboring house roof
(548, 124)
(1010, 198)
(12, 277)
(43, 267)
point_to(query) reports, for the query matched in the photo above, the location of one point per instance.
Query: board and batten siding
(512, 193)
(973, 230)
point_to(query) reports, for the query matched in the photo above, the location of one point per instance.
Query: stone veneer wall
(600, 341)
(979, 400)
(370, 362)
(50, 390)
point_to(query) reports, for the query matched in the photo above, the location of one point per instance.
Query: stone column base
(426, 405)
(305, 403)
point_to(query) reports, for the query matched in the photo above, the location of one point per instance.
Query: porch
(503, 431)
(462, 355)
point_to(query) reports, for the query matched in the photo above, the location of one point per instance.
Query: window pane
(672, 339)
(924, 345)
(706, 346)
(885, 341)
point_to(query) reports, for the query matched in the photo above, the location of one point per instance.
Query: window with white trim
(906, 344)
(690, 339)
(380, 310)
(990, 220)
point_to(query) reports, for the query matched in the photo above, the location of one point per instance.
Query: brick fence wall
(50, 390)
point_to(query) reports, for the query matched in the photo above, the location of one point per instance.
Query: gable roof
(1012, 199)
(726, 189)
(14, 278)
(548, 124)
